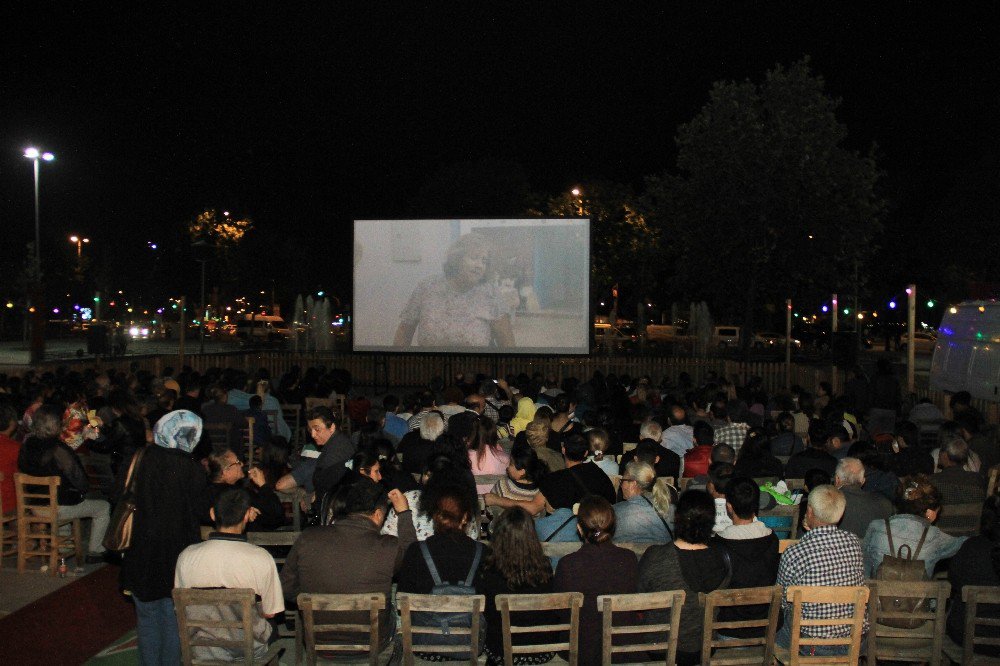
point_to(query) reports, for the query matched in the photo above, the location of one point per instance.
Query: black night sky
(308, 115)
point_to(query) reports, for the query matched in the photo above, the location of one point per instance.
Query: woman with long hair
(599, 567)
(439, 475)
(644, 514)
(485, 453)
(515, 564)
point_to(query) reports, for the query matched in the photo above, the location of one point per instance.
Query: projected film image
(472, 285)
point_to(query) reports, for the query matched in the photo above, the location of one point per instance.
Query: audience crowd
(457, 486)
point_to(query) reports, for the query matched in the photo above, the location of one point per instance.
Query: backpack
(447, 621)
(896, 567)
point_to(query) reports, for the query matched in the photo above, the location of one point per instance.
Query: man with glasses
(226, 471)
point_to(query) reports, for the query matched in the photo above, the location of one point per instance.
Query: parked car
(726, 336)
(923, 342)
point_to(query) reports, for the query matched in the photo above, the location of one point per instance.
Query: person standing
(170, 496)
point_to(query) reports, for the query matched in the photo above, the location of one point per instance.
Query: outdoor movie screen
(479, 286)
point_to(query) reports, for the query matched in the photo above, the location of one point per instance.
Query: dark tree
(768, 203)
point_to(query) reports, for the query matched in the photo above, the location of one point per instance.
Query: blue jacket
(906, 529)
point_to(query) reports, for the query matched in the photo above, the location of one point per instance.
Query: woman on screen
(462, 308)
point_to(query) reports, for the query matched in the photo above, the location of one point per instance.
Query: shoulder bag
(118, 538)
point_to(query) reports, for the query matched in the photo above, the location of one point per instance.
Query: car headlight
(144, 331)
(134, 331)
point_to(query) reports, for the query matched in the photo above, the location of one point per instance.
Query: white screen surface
(472, 286)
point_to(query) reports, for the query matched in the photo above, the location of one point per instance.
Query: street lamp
(34, 155)
(79, 245)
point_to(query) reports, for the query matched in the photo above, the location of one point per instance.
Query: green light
(97, 299)
(847, 311)
(174, 306)
(930, 304)
(979, 335)
(795, 314)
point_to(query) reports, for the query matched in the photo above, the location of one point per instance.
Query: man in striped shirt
(826, 555)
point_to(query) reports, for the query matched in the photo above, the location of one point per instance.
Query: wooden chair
(783, 520)
(219, 432)
(516, 603)
(293, 417)
(616, 481)
(629, 446)
(367, 632)
(921, 643)
(666, 634)
(759, 650)
(281, 538)
(8, 529)
(246, 439)
(295, 496)
(960, 519)
(409, 604)
(38, 523)
(975, 596)
(799, 595)
(785, 544)
(219, 618)
(683, 483)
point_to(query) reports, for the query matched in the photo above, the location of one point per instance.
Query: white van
(967, 352)
(726, 336)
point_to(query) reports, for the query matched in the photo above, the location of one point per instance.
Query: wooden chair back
(795, 484)
(665, 634)
(783, 520)
(8, 529)
(715, 652)
(798, 595)
(976, 596)
(683, 483)
(616, 481)
(409, 604)
(884, 640)
(247, 440)
(295, 497)
(279, 538)
(960, 519)
(629, 446)
(293, 417)
(219, 432)
(38, 522)
(203, 621)
(516, 603)
(367, 633)
(785, 544)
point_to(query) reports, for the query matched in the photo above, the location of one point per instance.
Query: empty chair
(742, 645)
(852, 598)
(344, 639)
(453, 641)
(38, 523)
(217, 627)
(904, 627)
(512, 604)
(973, 640)
(664, 638)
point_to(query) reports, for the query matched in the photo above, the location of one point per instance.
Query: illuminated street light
(79, 245)
(34, 155)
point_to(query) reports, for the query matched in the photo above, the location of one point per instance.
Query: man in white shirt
(227, 560)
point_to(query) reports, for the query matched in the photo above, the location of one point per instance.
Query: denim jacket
(638, 522)
(906, 529)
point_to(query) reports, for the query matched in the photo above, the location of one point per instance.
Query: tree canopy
(767, 202)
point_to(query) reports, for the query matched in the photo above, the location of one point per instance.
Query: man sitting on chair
(227, 560)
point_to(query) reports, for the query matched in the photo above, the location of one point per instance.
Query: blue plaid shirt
(824, 556)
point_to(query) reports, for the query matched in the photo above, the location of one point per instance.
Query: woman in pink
(485, 453)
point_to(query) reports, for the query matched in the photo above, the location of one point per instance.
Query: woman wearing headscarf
(170, 496)
(525, 413)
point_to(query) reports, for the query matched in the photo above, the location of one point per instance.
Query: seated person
(753, 549)
(694, 562)
(651, 436)
(814, 457)
(599, 567)
(261, 425)
(918, 503)
(227, 560)
(442, 474)
(514, 565)
(417, 445)
(754, 460)
(786, 442)
(524, 471)
(597, 439)
(644, 513)
(366, 560)
(697, 460)
(563, 489)
(226, 471)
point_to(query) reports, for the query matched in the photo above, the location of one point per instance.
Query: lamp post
(38, 317)
(79, 245)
